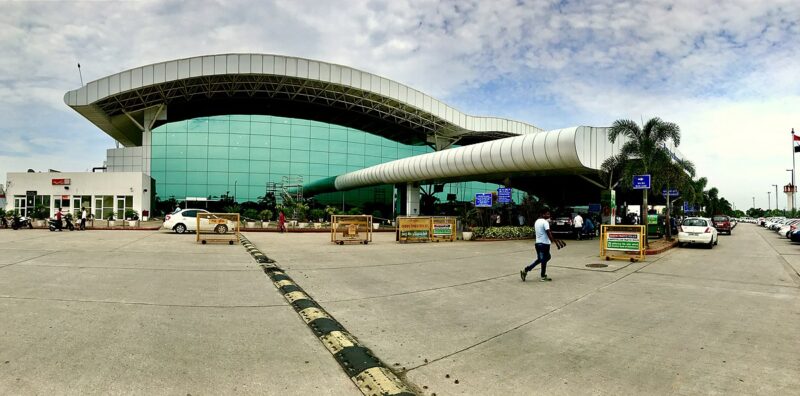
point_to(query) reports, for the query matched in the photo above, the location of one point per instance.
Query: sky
(727, 72)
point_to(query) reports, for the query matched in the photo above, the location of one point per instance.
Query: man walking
(543, 240)
(83, 219)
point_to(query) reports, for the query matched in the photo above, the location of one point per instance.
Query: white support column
(412, 199)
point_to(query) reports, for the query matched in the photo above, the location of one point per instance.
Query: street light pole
(769, 200)
(754, 202)
(776, 196)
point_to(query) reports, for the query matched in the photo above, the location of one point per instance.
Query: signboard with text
(504, 195)
(672, 193)
(628, 240)
(641, 182)
(483, 200)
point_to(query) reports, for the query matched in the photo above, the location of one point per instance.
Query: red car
(722, 224)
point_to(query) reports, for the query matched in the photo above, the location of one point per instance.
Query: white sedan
(184, 220)
(697, 230)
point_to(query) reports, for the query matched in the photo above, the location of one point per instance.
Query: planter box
(466, 235)
(38, 223)
(302, 225)
(264, 224)
(375, 226)
(251, 224)
(317, 225)
(111, 223)
(133, 223)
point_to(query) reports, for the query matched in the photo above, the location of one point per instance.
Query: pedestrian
(543, 239)
(497, 220)
(83, 219)
(588, 227)
(282, 222)
(58, 219)
(577, 225)
(521, 219)
(492, 219)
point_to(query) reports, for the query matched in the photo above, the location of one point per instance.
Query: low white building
(103, 194)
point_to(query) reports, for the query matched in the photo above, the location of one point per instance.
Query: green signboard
(625, 241)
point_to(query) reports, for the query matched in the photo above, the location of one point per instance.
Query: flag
(796, 142)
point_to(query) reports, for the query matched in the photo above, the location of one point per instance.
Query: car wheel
(221, 229)
(180, 229)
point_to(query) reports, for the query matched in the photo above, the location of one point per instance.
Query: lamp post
(776, 196)
(236, 181)
(787, 202)
(754, 202)
(769, 201)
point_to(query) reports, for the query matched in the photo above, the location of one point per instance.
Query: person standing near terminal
(83, 219)
(543, 239)
(58, 219)
(577, 225)
(282, 222)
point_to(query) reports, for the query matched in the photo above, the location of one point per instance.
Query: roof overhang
(280, 86)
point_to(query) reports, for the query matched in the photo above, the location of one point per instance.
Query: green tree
(645, 147)
(674, 175)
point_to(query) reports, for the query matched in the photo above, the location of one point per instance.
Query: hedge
(506, 232)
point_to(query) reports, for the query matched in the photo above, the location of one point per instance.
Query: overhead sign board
(672, 193)
(483, 200)
(504, 195)
(61, 182)
(641, 182)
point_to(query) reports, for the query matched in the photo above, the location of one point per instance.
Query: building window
(21, 205)
(124, 202)
(103, 206)
(81, 201)
(62, 201)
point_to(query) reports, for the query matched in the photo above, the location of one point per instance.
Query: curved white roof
(273, 77)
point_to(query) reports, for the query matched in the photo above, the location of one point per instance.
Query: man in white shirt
(83, 219)
(577, 225)
(543, 239)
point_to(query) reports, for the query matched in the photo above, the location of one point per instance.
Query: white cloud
(551, 63)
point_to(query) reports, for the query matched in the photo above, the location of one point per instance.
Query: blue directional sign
(483, 200)
(672, 193)
(641, 182)
(685, 206)
(594, 208)
(504, 195)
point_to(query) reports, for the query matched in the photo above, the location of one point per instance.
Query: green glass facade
(240, 154)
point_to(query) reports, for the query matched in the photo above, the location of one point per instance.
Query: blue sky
(726, 72)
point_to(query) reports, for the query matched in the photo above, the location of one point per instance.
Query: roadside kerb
(368, 373)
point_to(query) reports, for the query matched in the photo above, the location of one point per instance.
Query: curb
(367, 372)
(662, 249)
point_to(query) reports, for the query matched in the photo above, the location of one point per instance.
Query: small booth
(622, 242)
(351, 228)
(217, 227)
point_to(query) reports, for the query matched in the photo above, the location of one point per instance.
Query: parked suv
(184, 220)
(722, 224)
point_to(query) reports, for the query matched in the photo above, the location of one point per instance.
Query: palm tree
(647, 145)
(678, 175)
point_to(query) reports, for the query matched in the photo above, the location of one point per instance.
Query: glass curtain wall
(239, 154)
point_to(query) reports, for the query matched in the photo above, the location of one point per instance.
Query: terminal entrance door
(21, 205)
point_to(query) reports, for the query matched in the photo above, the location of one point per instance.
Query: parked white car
(184, 220)
(697, 230)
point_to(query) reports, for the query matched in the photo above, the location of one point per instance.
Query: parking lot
(144, 312)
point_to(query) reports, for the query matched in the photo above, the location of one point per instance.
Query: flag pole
(794, 208)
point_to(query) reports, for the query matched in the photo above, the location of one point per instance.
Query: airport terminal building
(240, 124)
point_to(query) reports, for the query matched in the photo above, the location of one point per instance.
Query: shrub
(355, 211)
(250, 214)
(40, 212)
(376, 214)
(317, 215)
(131, 214)
(232, 209)
(265, 215)
(507, 232)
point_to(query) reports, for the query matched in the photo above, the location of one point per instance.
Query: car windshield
(720, 218)
(695, 223)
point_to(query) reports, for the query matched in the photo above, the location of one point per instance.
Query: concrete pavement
(114, 312)
(689, 321)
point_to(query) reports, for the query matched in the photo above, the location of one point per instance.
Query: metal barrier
(351, 228)
(627, 239)
(217, 227)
